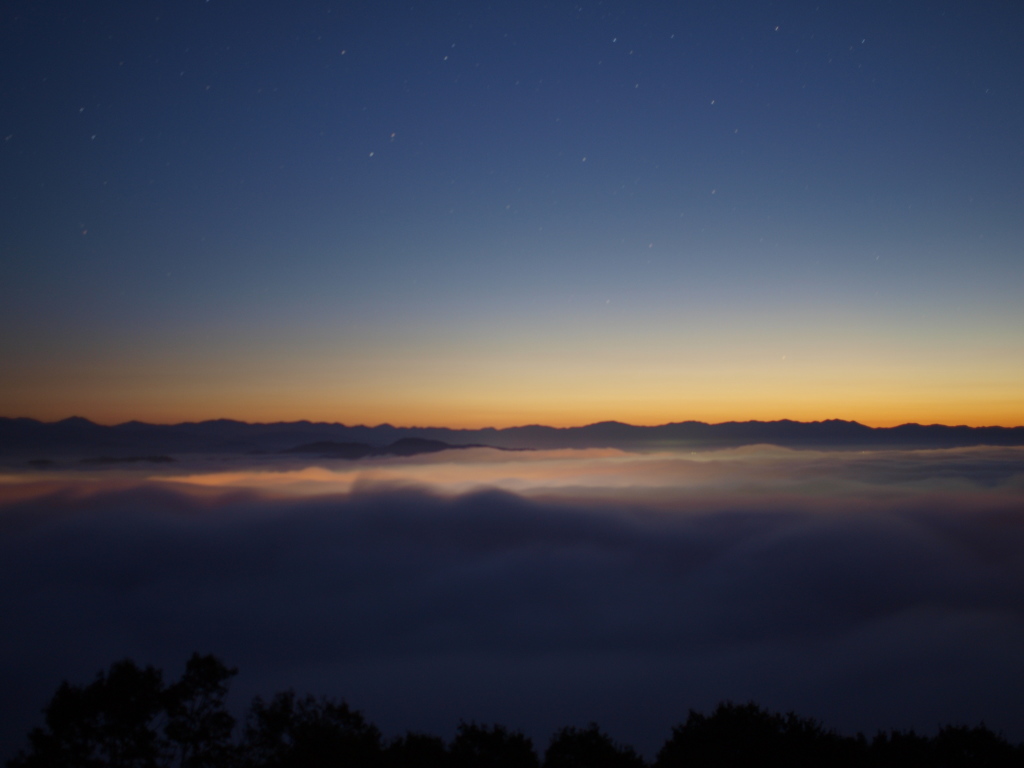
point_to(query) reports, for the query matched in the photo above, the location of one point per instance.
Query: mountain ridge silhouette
(79, 436)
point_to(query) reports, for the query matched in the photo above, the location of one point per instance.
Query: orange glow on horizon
(502, 395)
(563, 376)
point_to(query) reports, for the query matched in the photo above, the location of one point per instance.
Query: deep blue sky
(492, 213)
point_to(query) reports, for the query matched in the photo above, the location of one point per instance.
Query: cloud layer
(867, 590)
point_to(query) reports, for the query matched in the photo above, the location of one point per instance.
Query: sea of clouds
(537, 589)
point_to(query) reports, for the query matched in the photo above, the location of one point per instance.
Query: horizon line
(605, 422)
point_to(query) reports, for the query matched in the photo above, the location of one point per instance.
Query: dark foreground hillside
(129, 717)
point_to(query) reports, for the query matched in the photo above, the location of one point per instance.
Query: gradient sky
(486, 213)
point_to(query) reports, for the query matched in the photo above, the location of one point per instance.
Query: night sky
(485, 213)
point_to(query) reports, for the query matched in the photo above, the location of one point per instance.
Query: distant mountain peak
(76, 421)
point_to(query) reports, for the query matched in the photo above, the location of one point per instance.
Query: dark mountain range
(31, 439)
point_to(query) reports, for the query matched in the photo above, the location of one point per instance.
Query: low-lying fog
(538, 588)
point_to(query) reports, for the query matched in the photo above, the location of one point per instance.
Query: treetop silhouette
(128, 718)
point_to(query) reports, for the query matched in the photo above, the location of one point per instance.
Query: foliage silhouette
(958, 746)
(199, 727)
(417, 750)
(109, 723)
(588, 747)
(128, 718)
(480, 746)
(737, 735)
(902, 749)
(308, 732)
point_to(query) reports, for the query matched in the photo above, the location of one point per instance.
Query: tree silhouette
(199, 727)
(109, 723)
(588, 747)
(902, 749)
(417, 750)
(960, 747)
(738, 735)
(308, 733)
(127, 718)
(479, 746)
